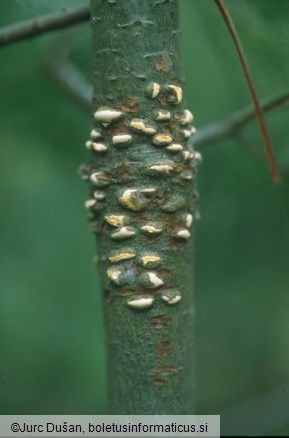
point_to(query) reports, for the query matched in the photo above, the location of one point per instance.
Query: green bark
(142, 205)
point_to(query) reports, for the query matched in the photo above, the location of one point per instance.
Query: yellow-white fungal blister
(98, 147)
(162, 139)
(140, 303)
(152, 90)
(119, 256)
(175, 94)
(183, 234)
(171, 297)
(185, 117)
(95, 134)
(99, 179)
(106, 115)
(140, 127)
(162, 115)
(189, 220)
(122, 139)
(174, 147)
(162, 168)
(152, 228)
(154, 212)
(123, 233)
(116, 220)
(90, 203)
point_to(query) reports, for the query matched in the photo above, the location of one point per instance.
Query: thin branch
(42, 24)
(261, 120)
(230, 125)
(72, 81)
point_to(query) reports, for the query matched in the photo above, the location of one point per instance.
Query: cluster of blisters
(141, 272)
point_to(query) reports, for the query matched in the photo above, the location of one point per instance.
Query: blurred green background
(52, 349)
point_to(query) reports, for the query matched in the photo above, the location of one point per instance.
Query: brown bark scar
(164, 349)
(165, 63)
(160, 322)
(166, 370)
(158, 382)
(130, 105)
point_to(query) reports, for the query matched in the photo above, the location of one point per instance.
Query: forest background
(52, 349)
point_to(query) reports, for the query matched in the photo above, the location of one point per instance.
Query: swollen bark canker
(142, 205)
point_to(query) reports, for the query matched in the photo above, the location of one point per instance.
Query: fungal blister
(141, 127)
(162, 139)
(164, 167)
(122, 140)
(121, 255)
(168, 129)
(175, 94)
(184, 117)
(183, 234)
(106, 115)
(171, 297)
(90, 203)
(152, 90)
(197, 157)
(100, 179)
(123, 233)
(174, 147)
(150, 280)
(99, 196)
(187, 175)
(162, 115)
(133, 199)
(116, 220)
(140, 303)
(152, 228)
(95, 134)
(98, 147)
(150, 260)
(189, 220)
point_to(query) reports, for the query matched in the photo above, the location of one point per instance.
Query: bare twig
(261, 120)
(41, 24)
(233, 123)
(72, 81)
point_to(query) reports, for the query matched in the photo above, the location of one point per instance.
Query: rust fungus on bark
(118, 129)
(165, 63)
(163, 100)
(135, 291)
(158, 382)
(166, 370)
(130, 105)
(175, 244)
(123, 173)
(164, 349)
(170, 222)
(160, 322)
(165, 273)
(149, 240)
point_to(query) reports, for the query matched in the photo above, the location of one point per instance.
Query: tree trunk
(142, 205)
